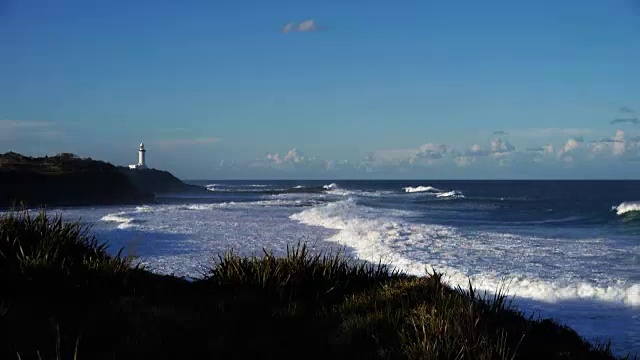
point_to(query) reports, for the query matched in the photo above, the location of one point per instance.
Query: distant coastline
(66, 179)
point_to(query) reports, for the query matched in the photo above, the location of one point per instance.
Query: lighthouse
(141, 163)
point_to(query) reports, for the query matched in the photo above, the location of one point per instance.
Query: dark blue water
(558, 204)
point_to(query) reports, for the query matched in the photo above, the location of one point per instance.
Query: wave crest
(375, 238)
(450, 194)
(410, 189)
(332, 186)
(627, 207)
(123, 221)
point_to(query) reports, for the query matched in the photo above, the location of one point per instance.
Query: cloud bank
(480, 157)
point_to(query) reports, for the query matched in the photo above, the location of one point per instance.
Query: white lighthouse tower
(141, 163)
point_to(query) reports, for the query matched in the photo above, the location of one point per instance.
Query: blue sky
(327, 89)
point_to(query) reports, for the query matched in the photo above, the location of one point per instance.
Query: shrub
(41, 245)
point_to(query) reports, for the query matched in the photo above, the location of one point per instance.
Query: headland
(66, 179)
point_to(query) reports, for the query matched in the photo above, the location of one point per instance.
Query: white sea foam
(626, 207)
(410, 189)
(341, 192)
(375, 238)
(334, 189)
(431, 190)
(450, 194)
(127, 219)
(281, 202)
(123, 221)
(332, 186)
(235, 187)
(212, 188)
(202, 207)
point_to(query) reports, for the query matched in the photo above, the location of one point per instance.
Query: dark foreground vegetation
(63, 297)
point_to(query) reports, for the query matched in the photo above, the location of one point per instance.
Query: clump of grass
(38, 244)
(299, 272)
(421, 318)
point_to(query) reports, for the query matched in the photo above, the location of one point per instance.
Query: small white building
(141, 164)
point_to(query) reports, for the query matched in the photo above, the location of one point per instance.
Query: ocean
(567, 250)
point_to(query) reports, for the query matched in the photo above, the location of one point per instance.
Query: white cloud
(307, 25)
(616, 145)
(495, 153)
(501, 147)
(503, 153)
(541, 154)
(463, 161)
(291, 157)
(475, 149)
(599, 147)
(497, 149)
(619, 144)
(571, 144)
(431, 152)
(425, 154)
(274, 157)
(287, 28)
(303, 26)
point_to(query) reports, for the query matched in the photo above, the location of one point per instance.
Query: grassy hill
(64, 180)
(68, 180)
(64, 297)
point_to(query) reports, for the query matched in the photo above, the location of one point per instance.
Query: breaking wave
(245, 204)
(129, 219)
(236, 187)
(410, 189)
(434, 191)
(332, 186)
(266, 189)
(123, 221)
(450, 194)
(374, 237)
(627, 207)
